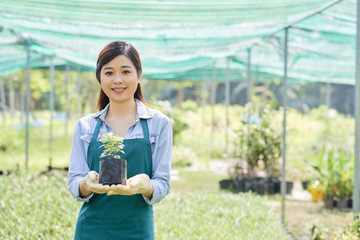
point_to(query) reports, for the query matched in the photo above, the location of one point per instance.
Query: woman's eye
(126, 72)
(108, 73)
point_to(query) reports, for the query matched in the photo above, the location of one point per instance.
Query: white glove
(138, 184)
(91, 183)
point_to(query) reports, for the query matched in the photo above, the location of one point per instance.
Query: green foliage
(335, 172)
(42, 208)
(38, 84)
(307, 133)
(12, 134)
(200, 136)
(174, 114)
(350, 232)
(82, 89)
(259, 142)
(205, 137)
(216, 216)
(112, 145)
(38, 208)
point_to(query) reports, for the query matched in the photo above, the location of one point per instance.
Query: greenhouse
(233, 47)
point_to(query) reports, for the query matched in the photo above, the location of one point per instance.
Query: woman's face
(119, 79)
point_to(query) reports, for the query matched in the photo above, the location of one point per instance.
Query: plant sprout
(113, 146)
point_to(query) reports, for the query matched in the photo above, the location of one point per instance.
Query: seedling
(112, 169)
(113, 146)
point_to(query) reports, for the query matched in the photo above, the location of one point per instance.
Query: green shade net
(186, 40)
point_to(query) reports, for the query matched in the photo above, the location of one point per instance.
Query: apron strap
(144, 125)
(145, 128)
(96, 131)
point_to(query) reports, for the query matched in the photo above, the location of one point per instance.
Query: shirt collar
(143, 111)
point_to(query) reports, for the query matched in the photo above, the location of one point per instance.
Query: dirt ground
(300, 215)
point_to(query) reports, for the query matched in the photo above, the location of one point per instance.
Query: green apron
(117, 216)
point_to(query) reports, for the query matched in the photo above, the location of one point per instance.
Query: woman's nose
(118, 79)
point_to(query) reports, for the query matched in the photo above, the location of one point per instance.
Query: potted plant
(337, 185)
(258, 148)
(344, 191)
(329, 194)
(112, 169)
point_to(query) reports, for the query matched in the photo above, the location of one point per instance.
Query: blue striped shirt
(160, 131)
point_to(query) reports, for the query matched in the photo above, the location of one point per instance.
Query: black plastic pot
(342, 203)
(271, 183)
(112, 171)
(277, 185)
(305, 184)
(226, 184)
(261, 187)
(350, 203)
(289, 187)
(329, 202)
(239, 184)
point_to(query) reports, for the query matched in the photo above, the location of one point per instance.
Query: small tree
(259, 142)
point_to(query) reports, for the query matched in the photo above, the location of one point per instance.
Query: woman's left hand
(138, 184)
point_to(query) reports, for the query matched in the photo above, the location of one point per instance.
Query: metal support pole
(27, 107)
(248, 97)
(203, 95)
(356, 199)
(12, 101)
(227, 96)
(78, 86)
(51, 109)
(283, 171)
(67, 69)
(213, 100)
(2, 96)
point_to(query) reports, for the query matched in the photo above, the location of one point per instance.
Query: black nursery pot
(112, 171)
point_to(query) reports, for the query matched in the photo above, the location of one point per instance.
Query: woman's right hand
(90, 183)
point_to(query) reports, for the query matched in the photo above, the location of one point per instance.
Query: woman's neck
(122, 109)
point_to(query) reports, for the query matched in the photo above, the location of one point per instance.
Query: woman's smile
(118, 89)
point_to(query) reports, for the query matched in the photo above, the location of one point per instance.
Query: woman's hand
(138, 184)
(90, 183)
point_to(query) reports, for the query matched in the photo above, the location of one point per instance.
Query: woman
(118, 211)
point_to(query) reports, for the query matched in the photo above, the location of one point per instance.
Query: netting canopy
(186, 40)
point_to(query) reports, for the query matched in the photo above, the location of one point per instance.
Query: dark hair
(109, 52)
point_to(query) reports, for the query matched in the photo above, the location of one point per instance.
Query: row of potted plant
(259, 185)
(258, 146)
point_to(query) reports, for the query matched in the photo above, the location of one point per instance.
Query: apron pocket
(113, 224)
(93, 228)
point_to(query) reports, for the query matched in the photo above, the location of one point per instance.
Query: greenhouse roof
(187, 40)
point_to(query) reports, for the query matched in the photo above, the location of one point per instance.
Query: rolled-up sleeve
(160, 178)
(78, 167)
